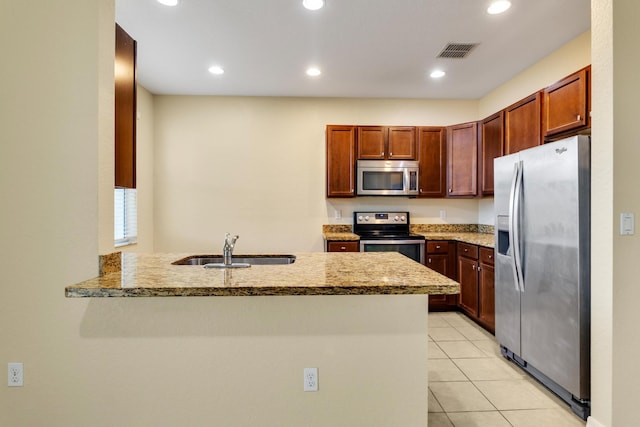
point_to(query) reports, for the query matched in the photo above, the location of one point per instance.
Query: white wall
(256, 167)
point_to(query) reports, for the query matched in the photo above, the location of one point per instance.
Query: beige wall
(569, 58)
(256, 167)
(616, 378)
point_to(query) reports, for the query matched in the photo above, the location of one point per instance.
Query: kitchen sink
(217, 261)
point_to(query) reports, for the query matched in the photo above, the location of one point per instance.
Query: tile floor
(471, 384)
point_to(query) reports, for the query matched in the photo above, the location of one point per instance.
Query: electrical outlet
(310, 379)
(15, 375)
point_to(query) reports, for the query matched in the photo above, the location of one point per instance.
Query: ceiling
(365, 48)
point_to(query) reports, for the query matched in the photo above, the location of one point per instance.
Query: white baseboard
(592, 422)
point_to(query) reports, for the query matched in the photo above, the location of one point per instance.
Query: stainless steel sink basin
(239, 261)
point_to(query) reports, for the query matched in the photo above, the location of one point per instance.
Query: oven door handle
(391, 242)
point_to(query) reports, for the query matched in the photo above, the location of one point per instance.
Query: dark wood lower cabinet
(441, 257)
(486, 285)
(340, 246)
(468, 275)
(477, 274)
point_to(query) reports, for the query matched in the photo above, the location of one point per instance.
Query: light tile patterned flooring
(471, 384)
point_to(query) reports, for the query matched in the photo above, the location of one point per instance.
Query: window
(125, 216)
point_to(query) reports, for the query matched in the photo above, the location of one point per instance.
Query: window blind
(125, 218)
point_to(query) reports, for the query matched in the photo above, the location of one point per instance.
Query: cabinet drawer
(437, 247)
(467, 250)
(343, 246)
(486, 256)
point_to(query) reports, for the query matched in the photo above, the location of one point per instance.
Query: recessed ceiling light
(313, 4)
(168, 2)
(498, 7)
(313, 72)
(216, 70)
(436, 74)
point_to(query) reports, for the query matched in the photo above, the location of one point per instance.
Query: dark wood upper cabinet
(402, 142)
(566, 104)
(462, 160)
(432, 157)
(382, 142)
(125, 110)
(372, 141)
(523, 124)
(491, 140)
(341, 148)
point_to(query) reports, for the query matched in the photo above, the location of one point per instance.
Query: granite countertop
(481, 239)
(474, 234)
(357, 273)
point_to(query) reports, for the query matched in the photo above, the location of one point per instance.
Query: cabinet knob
(437, 246)
(473, 266)
(382, 154)
(429, 261)
(343, 248)
(579, 117)
(490, 256)
(479, 268)
(449, 190)
(466, 250)
(421, 190)
(390, 154)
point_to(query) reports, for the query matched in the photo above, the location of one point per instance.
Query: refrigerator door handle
(512, 243)
(517, 255)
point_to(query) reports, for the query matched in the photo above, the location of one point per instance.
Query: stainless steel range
(388, 232)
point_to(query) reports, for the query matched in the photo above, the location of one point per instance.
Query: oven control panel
(381, 217)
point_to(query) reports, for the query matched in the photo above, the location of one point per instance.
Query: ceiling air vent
(457, 50)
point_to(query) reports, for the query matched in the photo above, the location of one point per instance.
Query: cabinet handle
(479, 268)
(437, 246)
(579, 117)
(473, 266)
(421, 190)
(449, 190)
(343, 248)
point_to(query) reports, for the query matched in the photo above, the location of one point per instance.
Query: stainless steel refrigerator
(542, 278)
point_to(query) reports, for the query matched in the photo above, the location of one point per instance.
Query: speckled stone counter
(474, 234)
(358, 273)
(339, 232)
(481, 239)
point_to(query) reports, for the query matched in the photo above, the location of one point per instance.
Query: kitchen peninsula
(360, 318)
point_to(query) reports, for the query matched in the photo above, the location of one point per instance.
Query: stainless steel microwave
(387, 178)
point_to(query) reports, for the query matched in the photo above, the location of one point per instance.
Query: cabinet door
(522, 124)
(487, 303)
(343, 246)
(432, 157)
(462, 165)
(468, 277)
(125, 110)
(372, 142)
(341, 142)
(402, 142)
(565, 104)
(491, 146)
(439, 263)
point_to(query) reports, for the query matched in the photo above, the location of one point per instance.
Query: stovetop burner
(383, 225)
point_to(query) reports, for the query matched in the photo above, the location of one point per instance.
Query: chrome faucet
(227, 249)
